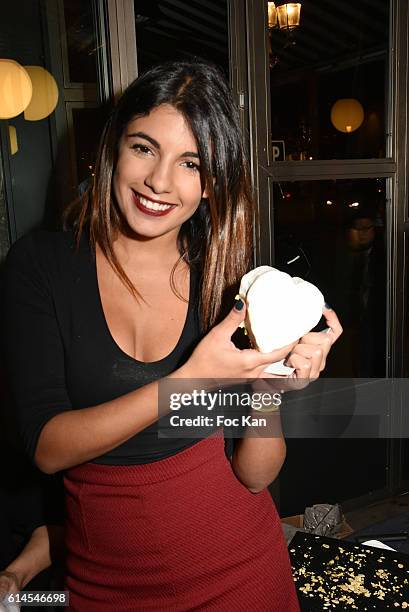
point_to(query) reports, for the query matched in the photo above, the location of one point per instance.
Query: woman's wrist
(18, 578)
(14, 581)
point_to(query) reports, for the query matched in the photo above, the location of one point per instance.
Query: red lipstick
(149, 211)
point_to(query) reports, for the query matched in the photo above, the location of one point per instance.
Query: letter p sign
(278, 150)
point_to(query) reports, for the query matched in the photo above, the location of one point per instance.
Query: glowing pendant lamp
(347, 115)
(15, 89)
(45, 94)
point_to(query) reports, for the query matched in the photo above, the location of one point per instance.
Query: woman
(100, 313)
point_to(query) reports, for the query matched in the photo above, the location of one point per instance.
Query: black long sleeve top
(60, 353)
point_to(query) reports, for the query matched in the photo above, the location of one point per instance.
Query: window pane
(49, 148)
(81, 41)
(316, 471)
(87, 126)
(332, 233)
(181, 29)
(338, 55)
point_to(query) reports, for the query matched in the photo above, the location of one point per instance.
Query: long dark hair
(218, 238)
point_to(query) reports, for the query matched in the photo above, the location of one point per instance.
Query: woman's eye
(192, 166)
(140, 148)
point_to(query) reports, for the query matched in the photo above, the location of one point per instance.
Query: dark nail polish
(328, 306)
(239, 304)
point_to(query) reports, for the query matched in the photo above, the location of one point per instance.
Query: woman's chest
(114, 351)
(112, 344)
(149, 329)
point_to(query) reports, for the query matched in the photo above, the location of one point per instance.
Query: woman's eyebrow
(156, 144)
(190, 154)
(146, 137)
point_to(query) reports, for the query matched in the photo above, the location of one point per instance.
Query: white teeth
(153, 205)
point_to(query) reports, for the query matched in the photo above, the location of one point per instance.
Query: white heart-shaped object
(280, 310)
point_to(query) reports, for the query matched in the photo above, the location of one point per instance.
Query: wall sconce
(347, 115)
(286, 16)
(272, 15)
(289, 16)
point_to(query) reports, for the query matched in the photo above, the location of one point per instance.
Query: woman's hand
(309, 356)
(9, 583)
(34, 557)
(217, 357)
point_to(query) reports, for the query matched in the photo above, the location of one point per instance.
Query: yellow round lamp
(45, 94)
(15, 89)
(347, 115)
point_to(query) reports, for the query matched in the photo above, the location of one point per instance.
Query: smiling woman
(131, 293)
(174, 139)
(155, 176)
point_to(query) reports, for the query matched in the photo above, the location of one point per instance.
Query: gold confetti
(342, 581)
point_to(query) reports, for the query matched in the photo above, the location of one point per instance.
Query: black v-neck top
(60, 352)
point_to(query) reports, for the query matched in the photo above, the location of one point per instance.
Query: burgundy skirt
(179, 534)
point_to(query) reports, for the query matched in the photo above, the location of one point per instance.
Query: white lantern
(15, 89)
(45, 94)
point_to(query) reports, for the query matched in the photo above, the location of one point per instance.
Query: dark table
(333, 574)
(396, 524)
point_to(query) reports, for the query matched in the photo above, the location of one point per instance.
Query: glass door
(327, 114)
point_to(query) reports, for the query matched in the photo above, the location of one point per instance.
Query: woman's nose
(159, 179)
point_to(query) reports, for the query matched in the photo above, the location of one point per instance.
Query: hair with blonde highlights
(218, 238)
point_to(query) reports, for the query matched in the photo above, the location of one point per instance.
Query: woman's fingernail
(327, 306)
(239, 304)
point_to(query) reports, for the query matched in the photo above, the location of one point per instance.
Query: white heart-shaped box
(280, 310)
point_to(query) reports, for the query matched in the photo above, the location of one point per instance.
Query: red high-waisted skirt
(175, 535)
